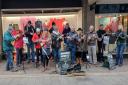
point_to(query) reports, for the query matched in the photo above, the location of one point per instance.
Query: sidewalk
(94, 76)
(29, 69)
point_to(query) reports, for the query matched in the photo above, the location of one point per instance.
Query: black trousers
(84, 54)
(38, 54)
(101, 48)
(45, 60)
(19, 56)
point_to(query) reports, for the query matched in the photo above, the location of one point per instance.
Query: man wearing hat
(72, 39)
(80, 43)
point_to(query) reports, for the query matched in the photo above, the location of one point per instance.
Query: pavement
(93, 76)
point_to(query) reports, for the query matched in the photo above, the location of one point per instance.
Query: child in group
(37, 40)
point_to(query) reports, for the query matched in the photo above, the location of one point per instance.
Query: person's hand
(89, 37)
(99, 39)
(40, 40)
(69, 37)
(31, 33)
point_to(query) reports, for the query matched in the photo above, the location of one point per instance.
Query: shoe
(120, 65)
(7, 69)
(14, 70)
(28, 61)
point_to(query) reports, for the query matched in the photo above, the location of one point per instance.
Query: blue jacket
(7, 39)
(74, 36)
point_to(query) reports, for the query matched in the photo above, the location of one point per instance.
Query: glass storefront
(111, 22)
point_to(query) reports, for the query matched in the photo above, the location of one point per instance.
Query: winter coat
(19, 42)
(28, 31)
(36, 40)
(7, 41)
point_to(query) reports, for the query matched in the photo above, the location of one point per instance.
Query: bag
(76, 68)
(109, 62)
(64, 62)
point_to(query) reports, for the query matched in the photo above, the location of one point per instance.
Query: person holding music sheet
(72, 39)
(29, 31)
(37, 40)
(8, 48)
(100, 44)
(46, 48)
(91, 41)
(121, 43)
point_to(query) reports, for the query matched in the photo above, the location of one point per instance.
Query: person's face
(45, 32)
(55, 27)
(91, 29)
(73, 29)
(38, 33)
(66, 26)
(10, 31)
(101, 27)
(29, 24)
(79, 32)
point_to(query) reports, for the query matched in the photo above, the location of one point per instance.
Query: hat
(37, 29)
(101, 25)
(79, 29)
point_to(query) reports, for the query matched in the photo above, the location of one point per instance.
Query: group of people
(43, 43)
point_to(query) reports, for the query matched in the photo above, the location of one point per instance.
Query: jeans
(30, 47)
(9, 64)
(56, 54)
(72, 49)
(19, 56)
(92, 54)
(119, 56)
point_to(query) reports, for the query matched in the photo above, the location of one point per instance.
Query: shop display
(111, 23)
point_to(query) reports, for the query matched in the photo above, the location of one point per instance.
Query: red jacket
(35, 39)
(19, 41)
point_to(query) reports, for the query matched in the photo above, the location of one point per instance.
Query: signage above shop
(111, 8)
